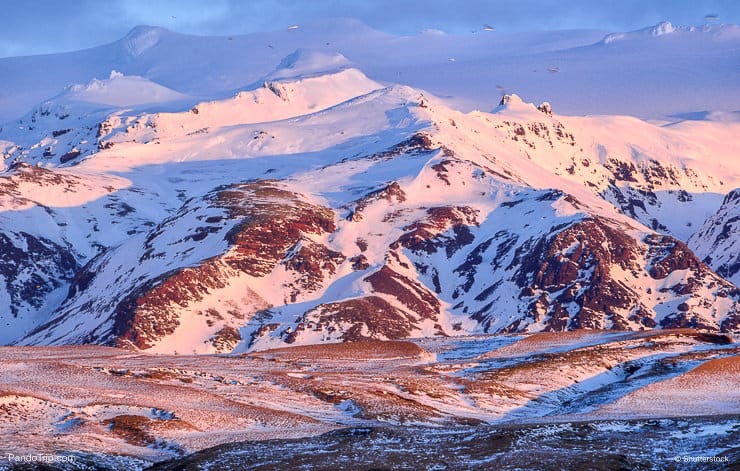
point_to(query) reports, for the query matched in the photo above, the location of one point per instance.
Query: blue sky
(46, 26)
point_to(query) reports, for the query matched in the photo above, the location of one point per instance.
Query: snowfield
(664, 72)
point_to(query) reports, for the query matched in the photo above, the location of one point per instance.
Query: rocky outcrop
(594, 276)
(415, 297)
(717, 242)
(569, 279)
(31, 267)
(261, 228)
(424, 235)
(391, 193)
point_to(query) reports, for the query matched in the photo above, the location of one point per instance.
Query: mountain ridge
(529, 63)
(377, 213)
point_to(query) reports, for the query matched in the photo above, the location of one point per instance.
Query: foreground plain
(639, 399)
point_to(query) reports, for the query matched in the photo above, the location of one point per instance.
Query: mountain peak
(513, 102)
(142, 38)
(662, 28)
(305, 62)
(122, 90)
(510, 100)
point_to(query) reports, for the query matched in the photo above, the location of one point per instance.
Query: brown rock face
(588, 276)
(313, 263)
(369, 317)
(226, 339)
(391, 193)
(570, 273)
(272, 221)
(411, 294)
(668, 255)
(424, 235)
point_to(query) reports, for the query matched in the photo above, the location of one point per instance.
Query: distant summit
(573, 69)
(308, 62)
(666, 28)
(663, 28)
(514, 103)
(121, 90)
(142, 38)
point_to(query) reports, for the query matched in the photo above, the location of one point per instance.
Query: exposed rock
(411, 294)
(424, 235)
(270, 228)
(717, 242)
(391, 193)
(32, 267)
(226, 339)
(370, 317)
(545, 107)
(668, 255)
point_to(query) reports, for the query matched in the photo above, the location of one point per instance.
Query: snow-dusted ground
(617, 444)
(88, 400)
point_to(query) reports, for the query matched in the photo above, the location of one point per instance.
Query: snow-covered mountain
(316, 204)
(665, 72)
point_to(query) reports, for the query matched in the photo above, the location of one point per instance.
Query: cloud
(44, 26)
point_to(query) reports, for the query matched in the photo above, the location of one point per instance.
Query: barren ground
(634, 399)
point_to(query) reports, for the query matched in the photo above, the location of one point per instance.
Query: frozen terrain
(119, 408)
(501, 245)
